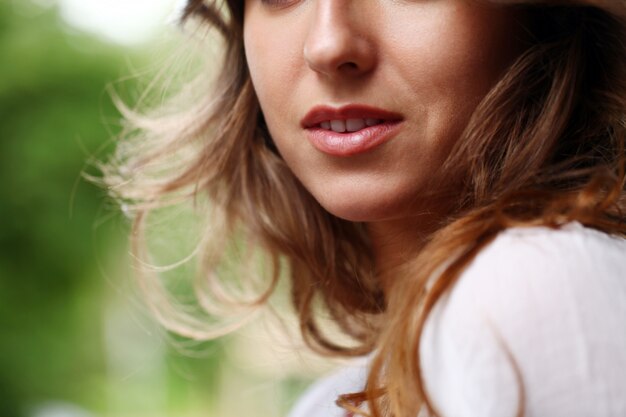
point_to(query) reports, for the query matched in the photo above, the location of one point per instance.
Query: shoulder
(571, 250)
(538, 319)
(539, 270)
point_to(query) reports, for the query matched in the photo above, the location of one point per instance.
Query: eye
(278, 3)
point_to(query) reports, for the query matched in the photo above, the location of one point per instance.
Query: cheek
(258, 61)
(452, 57)
(276, 71)
(273, 62)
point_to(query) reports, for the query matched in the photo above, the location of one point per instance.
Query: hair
(545, 146)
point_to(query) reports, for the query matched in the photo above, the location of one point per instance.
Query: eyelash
(276, 3)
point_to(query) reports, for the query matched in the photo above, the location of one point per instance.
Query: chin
(362, 209)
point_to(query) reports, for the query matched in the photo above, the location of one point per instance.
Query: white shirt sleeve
(537, 322)
(319, 399)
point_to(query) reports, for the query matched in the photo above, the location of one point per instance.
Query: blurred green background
(74, 340)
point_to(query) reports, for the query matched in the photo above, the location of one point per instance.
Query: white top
(554, 299)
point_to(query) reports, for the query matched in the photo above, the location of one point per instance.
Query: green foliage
(69, 329)
(52, 108)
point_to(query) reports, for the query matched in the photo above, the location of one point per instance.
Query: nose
(335, 45)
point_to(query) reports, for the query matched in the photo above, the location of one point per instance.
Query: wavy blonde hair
(544, 147)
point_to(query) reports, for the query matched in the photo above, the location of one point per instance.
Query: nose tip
(330, 56)
(335, 46)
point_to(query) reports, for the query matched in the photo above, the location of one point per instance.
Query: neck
(396, 243)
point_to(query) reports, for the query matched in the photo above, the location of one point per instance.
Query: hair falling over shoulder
(544, 147)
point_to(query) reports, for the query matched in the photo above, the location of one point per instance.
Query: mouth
(347, 125)
(351, 129)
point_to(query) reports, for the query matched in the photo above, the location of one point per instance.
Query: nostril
(349, 65)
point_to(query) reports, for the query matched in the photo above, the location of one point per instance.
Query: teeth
(352, 125)
(338, 126)
(349, 125)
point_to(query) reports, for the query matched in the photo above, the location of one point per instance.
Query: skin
(431, 61)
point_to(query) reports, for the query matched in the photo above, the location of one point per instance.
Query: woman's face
(364, 98)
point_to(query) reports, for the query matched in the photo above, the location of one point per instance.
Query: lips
(351, 129)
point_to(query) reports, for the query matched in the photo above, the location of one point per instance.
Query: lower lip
(352, 143)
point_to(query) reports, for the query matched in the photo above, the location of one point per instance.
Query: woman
(445, 178)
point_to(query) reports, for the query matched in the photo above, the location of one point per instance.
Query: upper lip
(319, 114)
